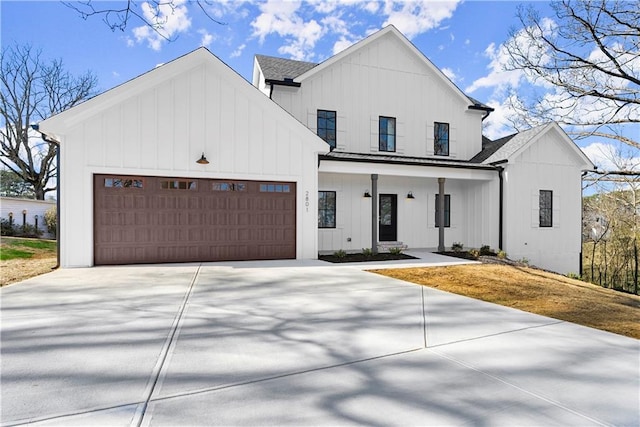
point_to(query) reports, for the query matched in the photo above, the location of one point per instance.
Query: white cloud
(171, 21)
(449, 73)
(206, 38)
(610, 157)
(371, 7)
(282, 18)
(238, 51)
(416, 17)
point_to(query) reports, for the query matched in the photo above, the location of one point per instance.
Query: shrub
(486, 250)
(340, 254)
(457, 247)
(524, 261)
(574, 276)
(395, 251)
(51, 220)
(7, 228)
(368, 252)
(474, 253)
(27, 230)
(502, 254)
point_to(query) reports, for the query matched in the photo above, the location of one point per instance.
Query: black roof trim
(400, 160)
(286, 82)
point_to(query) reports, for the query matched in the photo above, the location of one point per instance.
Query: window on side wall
(441, 139)
(546, 208)
(447, 210)
(387, 134)
(327, 127)
(326, 209)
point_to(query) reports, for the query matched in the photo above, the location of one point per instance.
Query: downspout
(270, 90)
(50, 140)
(500, 170)
(580, 266)
(501, 204)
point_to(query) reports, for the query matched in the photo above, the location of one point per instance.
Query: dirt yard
(534, 291)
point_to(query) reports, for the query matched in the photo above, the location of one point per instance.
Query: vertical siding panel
(165, 128)
(148, 130)
(181, 134)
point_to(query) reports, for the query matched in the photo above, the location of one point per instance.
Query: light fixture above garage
(366, 194)
(410, 195)
(202, 160)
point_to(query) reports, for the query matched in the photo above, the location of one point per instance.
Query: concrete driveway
(291, 343)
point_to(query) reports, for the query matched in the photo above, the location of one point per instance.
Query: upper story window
(441, 139)
(327, 127)
(326, 209)
(546, 208)
(387, 132)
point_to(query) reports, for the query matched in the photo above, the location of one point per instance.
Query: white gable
(160, 123)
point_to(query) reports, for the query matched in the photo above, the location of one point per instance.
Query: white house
(26, 211)
(403, 161)
(401, 132)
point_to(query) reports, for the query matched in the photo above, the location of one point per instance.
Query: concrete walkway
(296, 343)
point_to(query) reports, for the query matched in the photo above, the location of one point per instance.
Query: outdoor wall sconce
(202, 160)
(24, 217)
(11, 219)
(36, 220)
(410, 195)
(366, 194)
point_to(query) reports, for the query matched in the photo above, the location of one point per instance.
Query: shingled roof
(280, 69)
(503, 148)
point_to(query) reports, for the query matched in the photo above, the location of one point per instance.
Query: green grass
(30, 243)
(10, 253)
(19, 248)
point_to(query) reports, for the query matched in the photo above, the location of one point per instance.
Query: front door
(388, 228)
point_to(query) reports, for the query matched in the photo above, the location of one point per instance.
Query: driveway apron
(287, 344)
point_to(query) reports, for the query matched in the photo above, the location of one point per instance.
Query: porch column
(440, 214)
(374, 213)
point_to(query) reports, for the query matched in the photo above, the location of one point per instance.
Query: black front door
(388, 228)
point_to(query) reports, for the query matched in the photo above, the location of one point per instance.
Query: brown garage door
(141, 219)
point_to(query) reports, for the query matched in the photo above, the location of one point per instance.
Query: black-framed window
(447, 210)
(441, 139)
(546, 208)
(326, 209)
(327, 126)
(387, 134)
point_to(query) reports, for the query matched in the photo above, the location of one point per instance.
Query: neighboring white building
(28, 211)
(395, 128)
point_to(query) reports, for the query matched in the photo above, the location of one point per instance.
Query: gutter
(50, 140)
(461, 165)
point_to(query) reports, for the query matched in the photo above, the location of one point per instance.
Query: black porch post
(440, 214)
(374, 213)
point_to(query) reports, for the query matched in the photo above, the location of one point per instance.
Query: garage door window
(180, 184)
(123, 183)
(275, 188)
(229, 186)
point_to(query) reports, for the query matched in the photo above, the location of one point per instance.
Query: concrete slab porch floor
(295, 343)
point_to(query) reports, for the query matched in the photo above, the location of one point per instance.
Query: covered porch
(415, 203)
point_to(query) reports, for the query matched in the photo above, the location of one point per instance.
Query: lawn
(534, 291)
(21, 258)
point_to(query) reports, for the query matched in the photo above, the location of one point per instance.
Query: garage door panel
(156, 219)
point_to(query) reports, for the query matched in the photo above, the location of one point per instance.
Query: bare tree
(590, 58)
(151, 13)
(32, 90)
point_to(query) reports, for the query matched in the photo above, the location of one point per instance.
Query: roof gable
(391, 31)
(512, 146)
(200, 58)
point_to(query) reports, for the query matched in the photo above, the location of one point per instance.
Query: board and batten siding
(474, 221)
(385, 78)
(556, 248)
(159, 125)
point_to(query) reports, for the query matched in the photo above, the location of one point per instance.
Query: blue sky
(462, 38)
